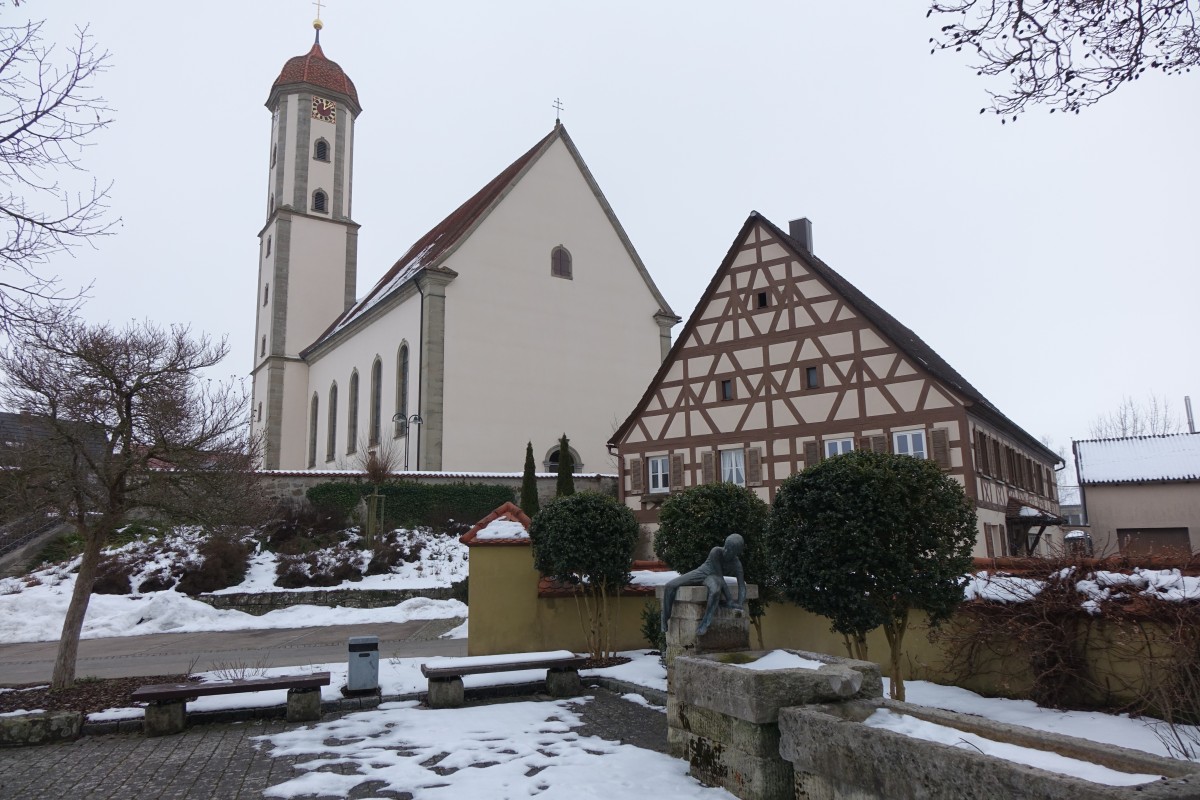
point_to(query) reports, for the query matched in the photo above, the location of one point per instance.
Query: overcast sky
(1053, 262)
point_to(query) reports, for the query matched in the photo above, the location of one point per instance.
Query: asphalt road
(170, 653)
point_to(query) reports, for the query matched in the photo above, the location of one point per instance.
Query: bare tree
(49, 112)
(124, 420)
(1069, 54)
(1150, 417)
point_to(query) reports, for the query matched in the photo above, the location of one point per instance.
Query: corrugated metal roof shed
(1139, 459)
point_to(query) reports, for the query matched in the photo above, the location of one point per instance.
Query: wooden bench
(445, 677)
(166, 711)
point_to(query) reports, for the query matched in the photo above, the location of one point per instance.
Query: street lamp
(415, 419)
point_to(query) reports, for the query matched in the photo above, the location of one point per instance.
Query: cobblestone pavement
(222, 762)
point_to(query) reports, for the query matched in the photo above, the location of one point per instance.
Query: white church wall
(293, 446)
(512, 372)
(382, 337)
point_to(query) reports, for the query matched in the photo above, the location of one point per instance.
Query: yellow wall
(507, 616)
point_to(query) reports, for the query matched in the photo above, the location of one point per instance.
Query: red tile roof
(316, 69)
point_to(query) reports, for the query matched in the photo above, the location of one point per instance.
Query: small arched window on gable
(560, 263)
(321, 150)
(320, 202)
(312, 432)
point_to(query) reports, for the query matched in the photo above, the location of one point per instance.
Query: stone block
(445, 693)
(563, 683)
(754, 739)
(757, 695)
(747, 776)
(303, 705)
(43, 728)
(165, 718)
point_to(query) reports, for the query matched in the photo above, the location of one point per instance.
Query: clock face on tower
(324, 109)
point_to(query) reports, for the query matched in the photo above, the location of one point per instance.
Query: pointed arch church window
(560, 262)
(352, 415)
(401, 417)
(321, 150)
(320, 202)
(331, 432)
(312, 432)
(376, 399)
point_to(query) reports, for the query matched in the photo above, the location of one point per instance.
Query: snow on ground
(34, 613)
(529, 749)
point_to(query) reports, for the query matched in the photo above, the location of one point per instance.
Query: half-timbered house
(784, 362)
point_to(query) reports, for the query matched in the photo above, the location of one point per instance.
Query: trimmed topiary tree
(529, 489)
(586, 540)
(698, 519)
(566, 466)
(865, 538)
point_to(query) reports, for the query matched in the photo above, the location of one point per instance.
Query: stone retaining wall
(263, 602)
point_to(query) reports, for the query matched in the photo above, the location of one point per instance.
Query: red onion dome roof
(314, 68)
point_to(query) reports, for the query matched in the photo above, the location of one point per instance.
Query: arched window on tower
(266, 293)
(331, 433)
(321, 150)
(560, 263)
(259, 411)
(262, 348)
(352, 415)
(376, 399)
(271, 205)
(320, 203)
(401, 418)
(273, 156)
(268, 246)
(312, 432)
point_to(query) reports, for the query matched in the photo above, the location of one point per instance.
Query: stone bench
(166, 711)
(445, 678)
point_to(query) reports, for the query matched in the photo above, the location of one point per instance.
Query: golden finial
(317, 24)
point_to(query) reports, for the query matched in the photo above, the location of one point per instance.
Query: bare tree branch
(1069, 54)
(49, 112)
(1151, 417)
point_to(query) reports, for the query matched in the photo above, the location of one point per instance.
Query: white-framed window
(835, 447)
(909, 443)
(660, 474)
(733, 467)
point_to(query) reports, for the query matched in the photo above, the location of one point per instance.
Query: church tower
(308, 247)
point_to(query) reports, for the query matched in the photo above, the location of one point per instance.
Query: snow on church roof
(1139, 459)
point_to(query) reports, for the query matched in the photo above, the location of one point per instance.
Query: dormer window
(560, 263)
(321, 150)
(320, 202)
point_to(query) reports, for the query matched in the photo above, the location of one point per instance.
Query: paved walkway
(223, 761)
(171, 653)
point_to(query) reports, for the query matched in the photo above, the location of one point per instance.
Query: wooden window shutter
(812, 453)
(676, 477)
(707, 467)
(753, 466)
(987, 540)
(940, 439)
(637, 479)
(879, 444)
(863, 443)
(981, 454)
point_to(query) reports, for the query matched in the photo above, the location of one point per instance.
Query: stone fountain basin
(718, 682)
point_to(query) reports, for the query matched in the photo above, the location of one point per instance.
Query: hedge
(411, 504)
